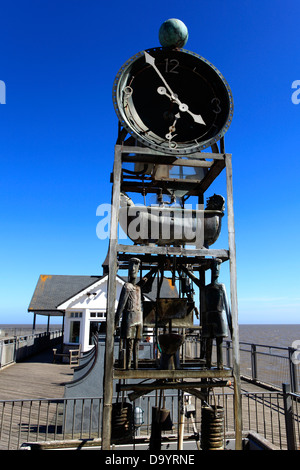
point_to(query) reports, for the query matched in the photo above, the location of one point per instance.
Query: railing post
(16, 348)
(288, 414)
(253, 362)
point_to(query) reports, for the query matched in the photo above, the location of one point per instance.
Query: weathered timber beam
(147, 258)
(164, 183)
(126, 149)
(209, 178)
(168, 160)
(159, 385)
(143, 389)
(173, 250)
(172, 374)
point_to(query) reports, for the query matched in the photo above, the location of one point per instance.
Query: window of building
(75, 314)
(74, 331)
(98, 315)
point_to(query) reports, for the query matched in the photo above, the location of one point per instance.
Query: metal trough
(163, 225)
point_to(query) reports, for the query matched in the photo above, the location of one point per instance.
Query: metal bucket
(170, 344)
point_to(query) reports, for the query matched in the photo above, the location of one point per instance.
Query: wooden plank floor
(37, 377)
(34, 379)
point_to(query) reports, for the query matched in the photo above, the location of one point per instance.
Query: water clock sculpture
(172, 105)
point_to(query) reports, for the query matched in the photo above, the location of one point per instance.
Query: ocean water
(270, 335)
(24, 329)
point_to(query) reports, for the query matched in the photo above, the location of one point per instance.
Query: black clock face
(173, 100)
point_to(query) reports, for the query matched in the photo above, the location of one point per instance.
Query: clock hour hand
(170, 135)
(182, 106)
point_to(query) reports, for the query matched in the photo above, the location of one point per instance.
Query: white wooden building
(85, 313)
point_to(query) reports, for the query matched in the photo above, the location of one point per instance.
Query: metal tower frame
(215, 162)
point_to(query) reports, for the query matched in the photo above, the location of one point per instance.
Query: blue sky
(58, 130)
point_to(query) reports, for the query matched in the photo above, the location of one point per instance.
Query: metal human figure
(130, 308)
(216, 315)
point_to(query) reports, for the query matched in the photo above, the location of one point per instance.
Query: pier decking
(34, 378)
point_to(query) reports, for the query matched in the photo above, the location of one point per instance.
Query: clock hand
(169, 136)
(150, 60)
(182, 106)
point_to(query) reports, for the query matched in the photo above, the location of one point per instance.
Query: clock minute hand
(182, 106)
(151, 61)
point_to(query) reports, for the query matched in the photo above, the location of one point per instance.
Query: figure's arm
(121, 304)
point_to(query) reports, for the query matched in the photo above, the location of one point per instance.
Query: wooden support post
(34, 320)
(111, 298)
(234, 306)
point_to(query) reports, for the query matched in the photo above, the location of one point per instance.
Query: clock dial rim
(137, 127)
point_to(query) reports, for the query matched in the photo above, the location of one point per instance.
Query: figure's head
(134, 266)
(216, 203)
(215, 269)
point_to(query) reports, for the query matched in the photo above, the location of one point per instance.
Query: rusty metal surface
(179, 311)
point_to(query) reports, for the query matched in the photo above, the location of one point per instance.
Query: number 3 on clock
(216, 104)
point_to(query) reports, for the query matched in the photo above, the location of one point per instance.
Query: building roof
(53, 290)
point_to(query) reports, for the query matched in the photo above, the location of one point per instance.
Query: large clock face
(173, 101)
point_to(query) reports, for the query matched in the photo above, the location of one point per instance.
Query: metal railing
(266, 364)
(18, 348)
(260, 363)
(273, 415)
